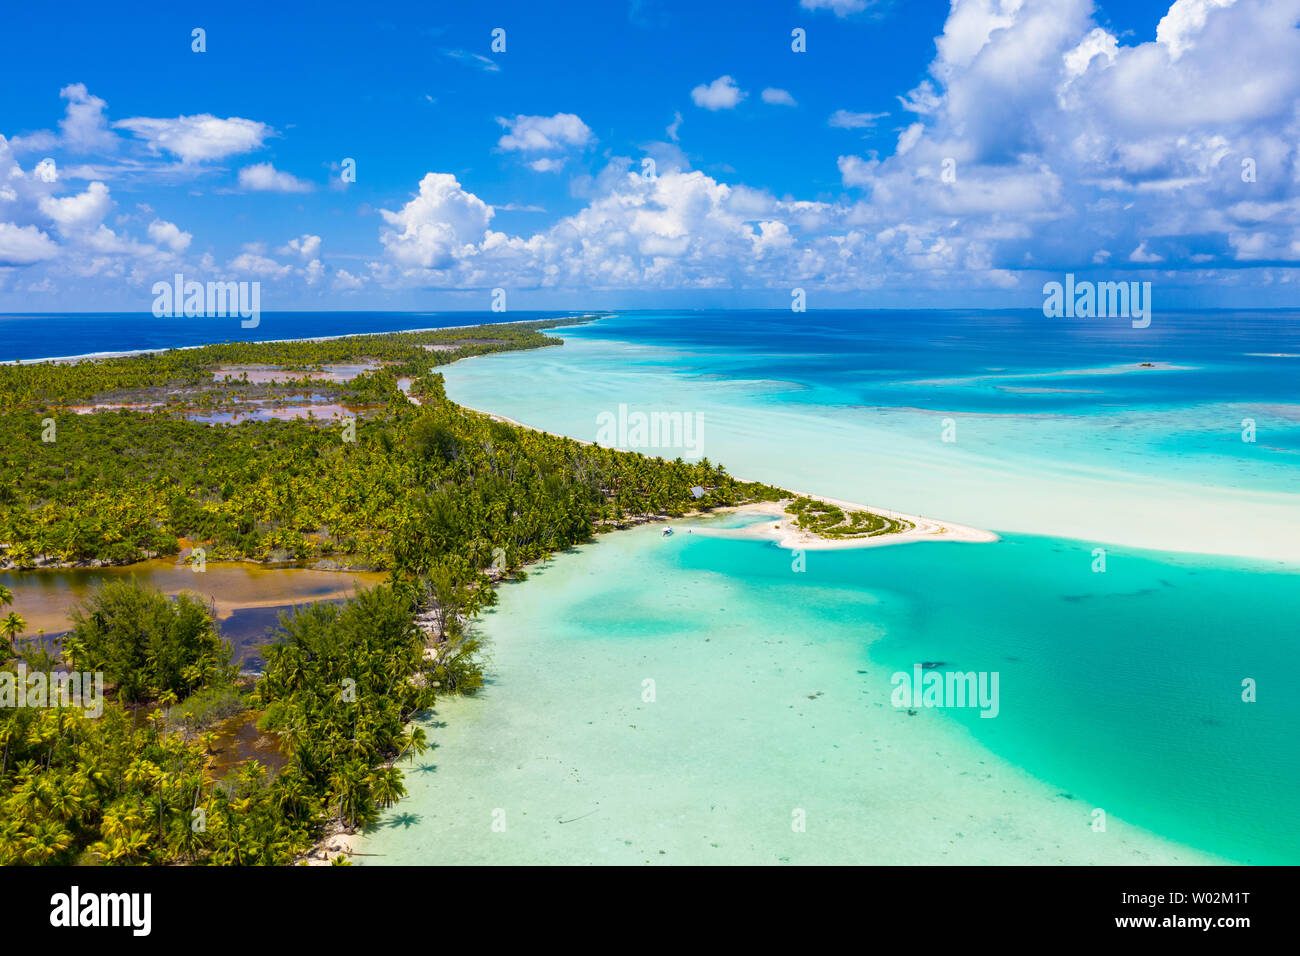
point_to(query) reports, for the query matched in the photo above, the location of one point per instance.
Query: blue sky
(915, 154)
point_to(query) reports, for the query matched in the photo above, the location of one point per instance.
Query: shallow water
(858, 406)
(772, 695)
(1121, 690)
(247, 597)
(262, 412)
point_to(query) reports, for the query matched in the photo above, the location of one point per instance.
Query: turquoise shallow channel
(696, 699)
(771, 695)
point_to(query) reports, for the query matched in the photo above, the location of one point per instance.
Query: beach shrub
(207, 706)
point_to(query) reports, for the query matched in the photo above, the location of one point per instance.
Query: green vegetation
(828, 521)
(445, 499)
(45, 385)
(146, 644)
(12, 624)
(133, 785)
(207, 706)
(418, 480)
(339, 689)
(115, 788)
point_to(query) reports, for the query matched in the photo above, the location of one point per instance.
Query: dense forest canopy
(408, 481)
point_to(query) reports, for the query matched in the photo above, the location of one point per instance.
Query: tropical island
(340, 454)
(444, 500)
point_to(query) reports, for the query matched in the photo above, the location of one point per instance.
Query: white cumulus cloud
(777, 97)
(305, 246)
(252, 263)
(345, 281)
(24, 245)
(263, 177)
(84, 126)
(546, 165)
(437, 225)
(1185, 19)
(721, 94)
(79, 212)
(169, 234)
(544, 133)
(195, 139)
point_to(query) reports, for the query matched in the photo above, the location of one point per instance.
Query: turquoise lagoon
(771, 736)
(1058, 429)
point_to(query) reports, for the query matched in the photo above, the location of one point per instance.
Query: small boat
(667, 533)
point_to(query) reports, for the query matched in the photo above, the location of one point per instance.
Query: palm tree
(351, 793)
(48, 840)
(64, 800)
(166, 699)
(386, 786)
(417, 742)
(11, 627)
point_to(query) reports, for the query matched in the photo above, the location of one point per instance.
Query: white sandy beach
(786, 534)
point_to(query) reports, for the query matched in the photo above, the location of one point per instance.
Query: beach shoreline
(338, 843)
(787, 535)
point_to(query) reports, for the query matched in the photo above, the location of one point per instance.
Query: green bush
(146, 643)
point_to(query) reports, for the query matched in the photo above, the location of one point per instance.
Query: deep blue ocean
(55, 335)
(861, 354)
